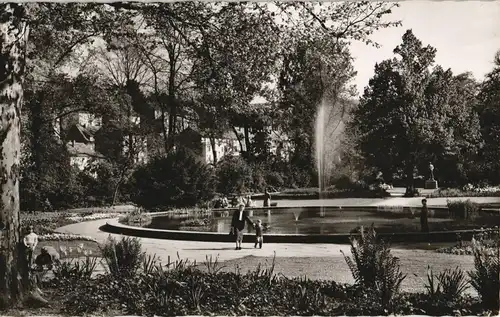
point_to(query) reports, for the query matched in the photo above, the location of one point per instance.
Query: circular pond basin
(333, 224)
(325, 220)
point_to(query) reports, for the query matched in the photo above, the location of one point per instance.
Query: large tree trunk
(14, 274)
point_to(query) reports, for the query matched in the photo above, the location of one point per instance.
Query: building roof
(78, 133)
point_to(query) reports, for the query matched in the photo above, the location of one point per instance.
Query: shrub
(463, 209)
(234, 175)
(123, 258)
(89, 296)
(373, 266)
(259, 173)
(448, 285)
(485, 278)
(412, 192)
(345, 182)
(275, 179)
(136, 217)
(73, 270)
(178, 180)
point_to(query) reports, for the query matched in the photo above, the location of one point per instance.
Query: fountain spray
(320, 149)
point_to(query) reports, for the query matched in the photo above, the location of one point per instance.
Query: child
(258, 234)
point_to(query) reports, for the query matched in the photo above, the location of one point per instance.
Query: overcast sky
(466, 35)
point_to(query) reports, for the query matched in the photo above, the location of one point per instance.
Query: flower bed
(466, 248)
(64, 237)
(466, 191)
(93, 217)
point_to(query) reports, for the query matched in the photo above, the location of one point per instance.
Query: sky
(466, 35)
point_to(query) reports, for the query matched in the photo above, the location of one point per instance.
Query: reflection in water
(220, 225)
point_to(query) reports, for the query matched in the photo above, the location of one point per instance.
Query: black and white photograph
(257, 158)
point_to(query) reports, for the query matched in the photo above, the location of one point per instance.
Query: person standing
(240, 216)
(259, 238)
(267, 199)
(424, 217)
(31, 241)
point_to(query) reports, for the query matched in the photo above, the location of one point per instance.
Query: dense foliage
(174, 63)
(180, 179)
(141, 285)
(411, 115)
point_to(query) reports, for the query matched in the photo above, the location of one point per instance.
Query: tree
(45, 159)
(15, 56)
(121, 139)
(315, 75)
(14, 277)
(409, 115)
(234, 71)
(488, 101)
(167, 52)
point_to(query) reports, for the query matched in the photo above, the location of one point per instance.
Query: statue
(30, 241)
(431, 168)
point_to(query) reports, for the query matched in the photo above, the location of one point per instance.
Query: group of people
(241, 217)
(223, 202)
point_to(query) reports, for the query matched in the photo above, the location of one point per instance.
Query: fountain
(320, 150)
(296, 214)
(329, 121)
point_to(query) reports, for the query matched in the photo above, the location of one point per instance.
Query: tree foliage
(411, 115)
(488, 101)
(178, 180)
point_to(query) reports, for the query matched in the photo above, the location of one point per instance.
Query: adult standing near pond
(424, 217)
(240, 216)
(267, 199)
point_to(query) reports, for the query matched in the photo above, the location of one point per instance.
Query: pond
(327, 220)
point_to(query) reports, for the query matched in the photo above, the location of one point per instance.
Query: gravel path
(413, 263)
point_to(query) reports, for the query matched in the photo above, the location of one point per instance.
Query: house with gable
(78, 131)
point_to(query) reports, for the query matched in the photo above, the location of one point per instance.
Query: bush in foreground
(485, 279)
(375, 270)
(124, 257)
(184, 288)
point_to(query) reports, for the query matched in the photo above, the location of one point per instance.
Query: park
(248, 158)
